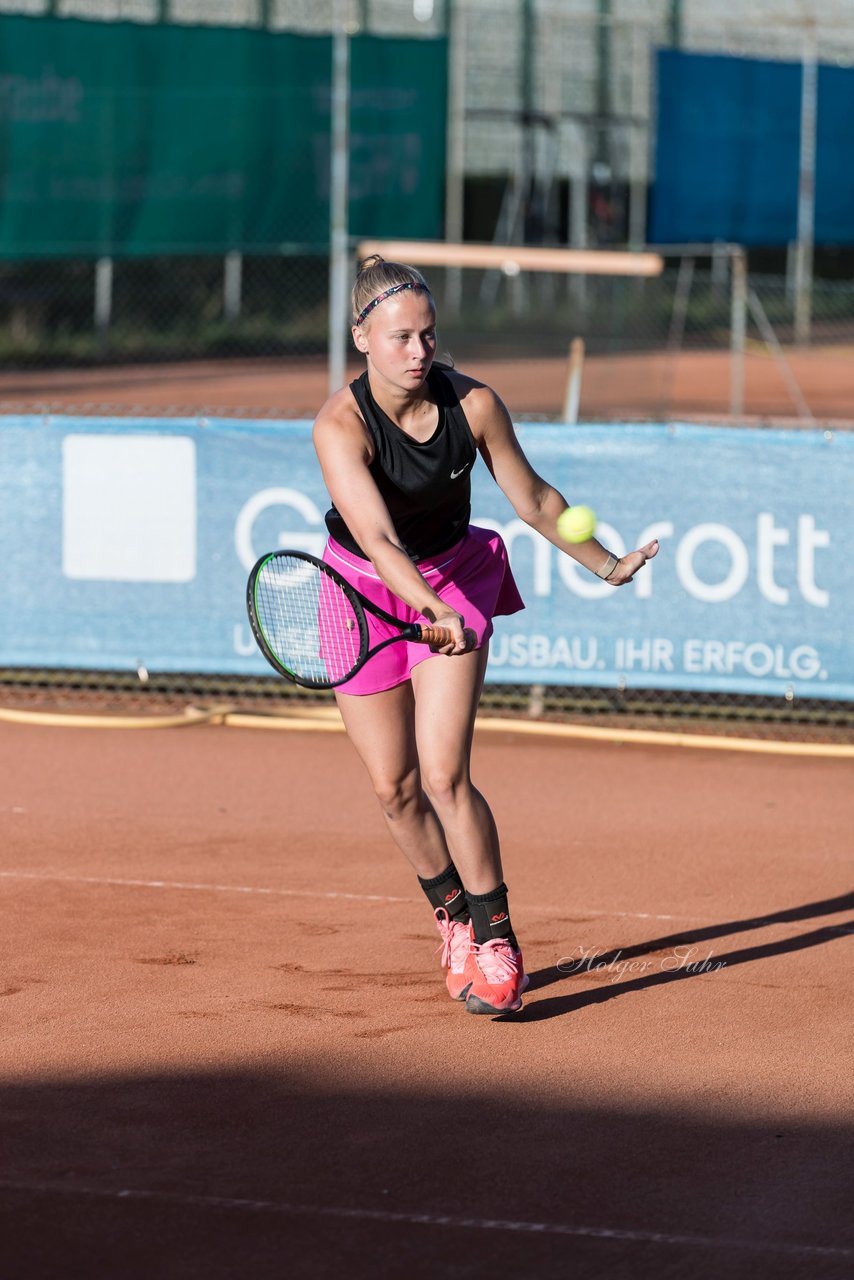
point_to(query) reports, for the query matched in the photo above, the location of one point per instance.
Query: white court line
(389, 1217)
(210, 888)
(309, 893)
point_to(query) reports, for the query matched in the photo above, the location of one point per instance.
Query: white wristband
(608, 567)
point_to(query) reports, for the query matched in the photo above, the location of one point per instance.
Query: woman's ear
(359, 339)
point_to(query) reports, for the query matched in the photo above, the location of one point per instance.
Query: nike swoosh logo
(455, 474)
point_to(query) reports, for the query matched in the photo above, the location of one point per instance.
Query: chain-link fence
(169, 308)
(117, 694)
(219, 336)
(551, 111)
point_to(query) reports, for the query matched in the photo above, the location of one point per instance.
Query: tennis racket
(311, 625)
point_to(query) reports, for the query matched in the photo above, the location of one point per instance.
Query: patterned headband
(381, 297)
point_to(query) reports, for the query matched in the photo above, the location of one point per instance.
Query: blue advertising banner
(127, 543)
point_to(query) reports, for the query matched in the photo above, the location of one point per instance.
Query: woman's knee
(445, 785)
(398, 796)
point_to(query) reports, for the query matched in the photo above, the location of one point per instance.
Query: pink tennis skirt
(473, 577)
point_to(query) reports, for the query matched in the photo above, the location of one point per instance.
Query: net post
(573, 380)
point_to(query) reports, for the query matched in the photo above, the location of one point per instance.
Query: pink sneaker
(456, 947)
(499, 978)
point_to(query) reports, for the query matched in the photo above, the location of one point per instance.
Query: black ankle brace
(446, 890)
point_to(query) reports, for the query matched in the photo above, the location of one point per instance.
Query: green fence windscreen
(122, 139)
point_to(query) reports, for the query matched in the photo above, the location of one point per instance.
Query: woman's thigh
(447, 692)
(381, 727)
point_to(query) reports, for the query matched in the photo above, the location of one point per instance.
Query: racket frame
(407, 630)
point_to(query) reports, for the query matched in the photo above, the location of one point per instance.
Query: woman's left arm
(534, 500)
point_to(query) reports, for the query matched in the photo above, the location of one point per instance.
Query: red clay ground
(228, 1051)
(656, 386)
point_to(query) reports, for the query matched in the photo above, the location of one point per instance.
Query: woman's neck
(408, 409)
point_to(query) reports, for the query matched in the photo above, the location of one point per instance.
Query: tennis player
(397, 448)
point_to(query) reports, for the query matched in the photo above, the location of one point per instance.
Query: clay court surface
(640, 386)
(228, 1050)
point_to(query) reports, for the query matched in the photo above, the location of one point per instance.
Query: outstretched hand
(627, 566)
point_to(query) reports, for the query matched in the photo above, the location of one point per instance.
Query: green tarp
(122, 139)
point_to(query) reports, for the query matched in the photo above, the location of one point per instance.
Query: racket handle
(436, 636)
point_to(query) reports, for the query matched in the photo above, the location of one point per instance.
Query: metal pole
(806, 190)
(579, 195)
(638, 142)
(572, 396)
(676, 335)
(674, 23)
(232, 284)
(103, 294)
(529, 156)
(772, 343)
(528, 185)
(455, 158)
(602, 148)
(339, 254)
(738, 333)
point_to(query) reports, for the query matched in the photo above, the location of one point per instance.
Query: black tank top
(426, 486)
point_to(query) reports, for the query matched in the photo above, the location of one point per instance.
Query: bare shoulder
(482, 406)
(339, 422)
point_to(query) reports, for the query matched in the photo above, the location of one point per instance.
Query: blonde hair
(376, 278)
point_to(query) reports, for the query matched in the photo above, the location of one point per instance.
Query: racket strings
(308, 621)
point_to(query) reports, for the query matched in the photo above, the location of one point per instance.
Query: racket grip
(437, 636)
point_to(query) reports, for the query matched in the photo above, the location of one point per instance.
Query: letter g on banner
(262, 501)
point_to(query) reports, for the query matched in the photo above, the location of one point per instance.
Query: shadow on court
(259, 1176)
(621, 960)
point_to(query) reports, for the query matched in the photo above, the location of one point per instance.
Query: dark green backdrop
(122, 139)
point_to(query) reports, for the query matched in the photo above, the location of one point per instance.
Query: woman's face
(399, 338)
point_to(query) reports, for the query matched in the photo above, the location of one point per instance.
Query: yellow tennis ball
(577, 524)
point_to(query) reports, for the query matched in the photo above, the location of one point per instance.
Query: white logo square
(129, 508)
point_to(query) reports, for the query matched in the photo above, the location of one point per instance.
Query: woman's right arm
(344, 451)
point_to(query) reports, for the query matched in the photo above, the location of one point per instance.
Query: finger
(438, 636)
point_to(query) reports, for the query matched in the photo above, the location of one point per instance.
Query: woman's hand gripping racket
(310, 624)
